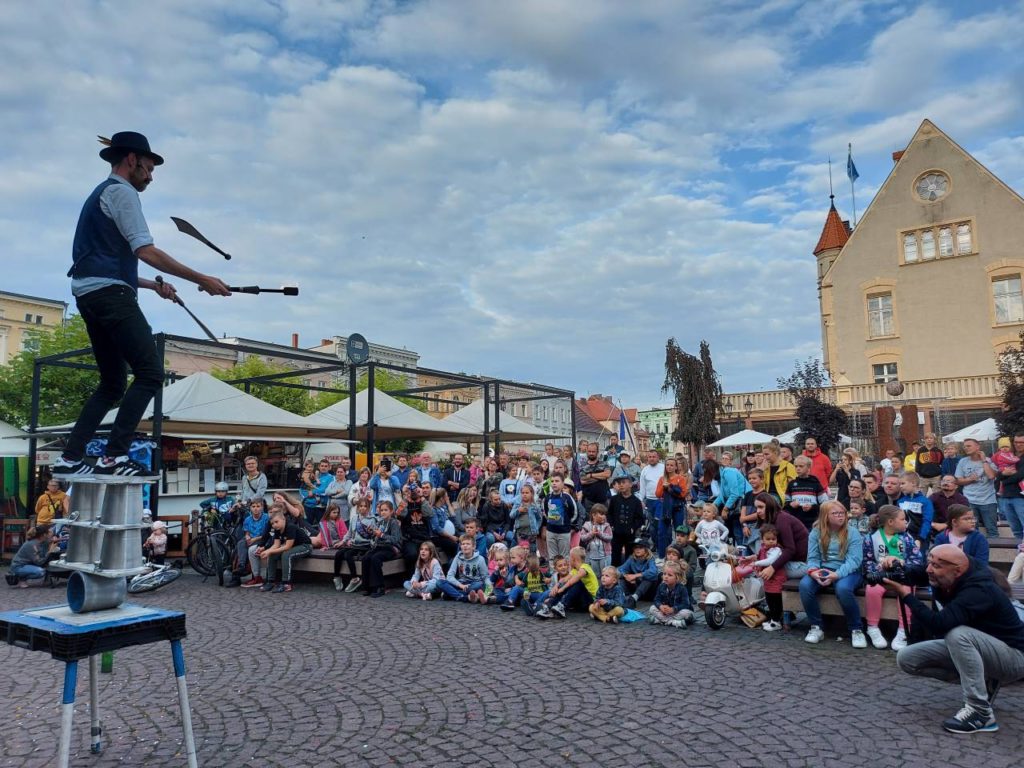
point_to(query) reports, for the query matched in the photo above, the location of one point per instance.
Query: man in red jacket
(821, 465)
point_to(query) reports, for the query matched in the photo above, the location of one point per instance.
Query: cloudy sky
(541, 190)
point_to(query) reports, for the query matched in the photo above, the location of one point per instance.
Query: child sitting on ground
(426, 575)
(689, 555)
(769, 552)
(596, 536)
(155, 545)
(639, 573)
(609, 602)
(503, 578)
(574, 593)
(534, 582)
(467, 574)
(672, 606)
(526, 519)
(559, 573)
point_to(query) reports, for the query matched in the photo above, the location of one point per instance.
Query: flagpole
(853, 195)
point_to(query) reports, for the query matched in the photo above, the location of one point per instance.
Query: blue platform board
(67, 636)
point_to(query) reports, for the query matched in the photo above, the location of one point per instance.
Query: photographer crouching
(981, 637)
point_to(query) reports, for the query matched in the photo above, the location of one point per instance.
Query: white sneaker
(339, 584)
(857, 639)
(900, 641)
(877, 638)
(814, 635)
(771, 626)
(354, 584)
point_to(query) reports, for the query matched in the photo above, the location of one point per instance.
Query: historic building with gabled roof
(928, 285)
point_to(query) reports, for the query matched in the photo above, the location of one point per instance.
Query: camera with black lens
(895, 572)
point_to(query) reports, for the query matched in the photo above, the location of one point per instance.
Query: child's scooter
(722, 596)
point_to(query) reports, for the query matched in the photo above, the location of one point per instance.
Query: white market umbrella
(743, 437)
(790, 436)
(983, 430)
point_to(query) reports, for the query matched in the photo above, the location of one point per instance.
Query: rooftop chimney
(897, 155)
(324, 342)
(295, 341)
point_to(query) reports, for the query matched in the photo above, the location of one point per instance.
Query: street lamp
(749, 406)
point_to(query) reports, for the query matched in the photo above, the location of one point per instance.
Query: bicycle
(154, 579)
(212, 547)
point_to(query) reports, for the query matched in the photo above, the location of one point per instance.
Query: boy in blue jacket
(672, 605)
(919, 510)
(640, 573)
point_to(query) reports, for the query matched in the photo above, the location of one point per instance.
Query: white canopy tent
(790, 436)
(13, 442)
(200, 407)
(392, 420)
(743, 437)
(470, 419)
(983, 430)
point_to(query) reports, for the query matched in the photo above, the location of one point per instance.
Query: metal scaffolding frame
(489, 387)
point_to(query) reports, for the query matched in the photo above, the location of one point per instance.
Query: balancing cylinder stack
(105, 544)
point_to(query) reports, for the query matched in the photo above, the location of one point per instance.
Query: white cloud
(538, 190)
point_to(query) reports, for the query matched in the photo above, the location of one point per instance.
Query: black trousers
(373, 566)
(446, 545)
(774, 600)
(622, 548)
(349, 555)
(121, 338)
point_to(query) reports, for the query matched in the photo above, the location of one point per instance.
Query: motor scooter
(722, 596)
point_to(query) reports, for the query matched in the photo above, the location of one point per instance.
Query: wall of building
(21, 316)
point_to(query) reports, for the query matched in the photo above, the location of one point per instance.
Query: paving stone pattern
(318, 678)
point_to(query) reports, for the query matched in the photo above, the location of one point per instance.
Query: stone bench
(830, 603)
(320, 563)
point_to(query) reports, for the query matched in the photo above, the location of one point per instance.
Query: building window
(945, 242)
(880, 321)
(927, 245)
(1006, 292)
(910, 247)
(28, 317)
(942, 242)
(884, 372)
(39, 319)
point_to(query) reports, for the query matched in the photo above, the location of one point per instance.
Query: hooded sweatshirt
(465, 570)
(974, 600)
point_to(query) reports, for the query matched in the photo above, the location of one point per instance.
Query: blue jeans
(455, 593)
(28, 571)
(844, 588)
(986, 514)
(513, 595)
(1013, 510)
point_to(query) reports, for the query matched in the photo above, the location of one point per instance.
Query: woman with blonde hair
(835, 552)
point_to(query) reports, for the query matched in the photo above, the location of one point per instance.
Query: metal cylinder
(121, 550)
(87, 500)
(88, 592)
(122, 505)
(82, 545)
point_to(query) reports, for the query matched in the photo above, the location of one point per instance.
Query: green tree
(289, 398)
(1011, 380)
(818, 419)
(62, 391)
(697, 390)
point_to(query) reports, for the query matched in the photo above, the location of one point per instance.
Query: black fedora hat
(127, 141)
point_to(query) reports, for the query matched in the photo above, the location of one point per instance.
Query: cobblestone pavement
(319, 678)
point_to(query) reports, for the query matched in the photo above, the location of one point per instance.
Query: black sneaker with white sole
(971, 720)
(64, 466)
(122, 466)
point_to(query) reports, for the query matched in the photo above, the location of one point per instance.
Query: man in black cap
(111, 238)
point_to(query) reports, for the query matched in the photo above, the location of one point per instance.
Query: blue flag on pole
(851, 169)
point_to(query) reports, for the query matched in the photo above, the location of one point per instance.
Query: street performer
(111, 238)
(980, 637)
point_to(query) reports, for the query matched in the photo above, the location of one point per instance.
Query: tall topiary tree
(697, 391)
(808, 385)
(1011, 381)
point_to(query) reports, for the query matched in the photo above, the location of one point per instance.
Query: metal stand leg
(94, 705)
(186, 711)
(67, 712)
